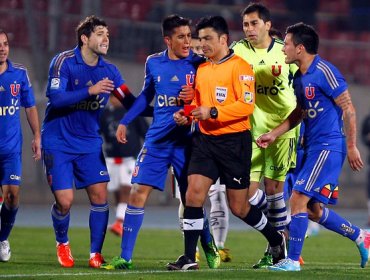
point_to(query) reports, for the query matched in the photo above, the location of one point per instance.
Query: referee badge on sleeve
(248, 97)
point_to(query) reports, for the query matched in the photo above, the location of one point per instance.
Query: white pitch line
(309, 266)
(113, 272)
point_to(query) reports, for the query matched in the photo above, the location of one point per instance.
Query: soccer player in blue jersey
(79, 84)
(324, 104)
(15, 92)
(169, 77)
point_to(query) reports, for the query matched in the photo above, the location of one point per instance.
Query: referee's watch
(213, 112)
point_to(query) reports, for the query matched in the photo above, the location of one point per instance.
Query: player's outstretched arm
(349, 119)
(33, 121)
(293, 120)
(127, 99)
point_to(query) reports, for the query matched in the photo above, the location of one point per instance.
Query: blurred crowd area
(47, 26)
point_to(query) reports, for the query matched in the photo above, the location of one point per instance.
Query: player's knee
(63, 207)
(239, 209)
(194, 197)
(138, 197)
(12, 200)
(98, 198)
(314, 213)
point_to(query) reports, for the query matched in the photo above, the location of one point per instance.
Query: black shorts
(227, 156)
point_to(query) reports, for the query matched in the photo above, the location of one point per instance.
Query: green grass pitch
(327, 256)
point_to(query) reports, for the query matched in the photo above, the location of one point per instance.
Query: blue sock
(205, 236)
(7, 221)
(131, 226)
(298, 228)
(338, 224)
(98, 222)
(60, 224)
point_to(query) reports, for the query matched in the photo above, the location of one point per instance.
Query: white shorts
(120, 172)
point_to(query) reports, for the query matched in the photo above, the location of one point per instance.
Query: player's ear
(268, 25)
(84, 39)
(224, 38)
(167, 40)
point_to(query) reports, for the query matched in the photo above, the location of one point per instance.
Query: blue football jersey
(15, 92)
(316, 91)
(164, 78)
(72, 116)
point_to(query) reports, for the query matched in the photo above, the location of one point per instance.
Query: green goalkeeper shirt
(275, 98)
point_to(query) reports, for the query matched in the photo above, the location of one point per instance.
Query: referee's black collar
(227, 57)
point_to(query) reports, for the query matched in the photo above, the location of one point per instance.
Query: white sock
(219, 217)
(121, 211)
(259, 200)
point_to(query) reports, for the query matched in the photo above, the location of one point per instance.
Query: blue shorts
(152, 166)
(64, 169)
(292, 174)
(318, 178)
(11, 169)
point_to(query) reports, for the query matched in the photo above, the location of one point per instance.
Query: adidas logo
(174, 79)
(2, 88)
(262, 62)
(89, 83)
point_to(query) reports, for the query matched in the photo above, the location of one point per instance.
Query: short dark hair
(2, 31)
(194, 35)
(171, 22)
(87, 26)
(218, 23)
(262, 11)
(306, 35)
(273, 32)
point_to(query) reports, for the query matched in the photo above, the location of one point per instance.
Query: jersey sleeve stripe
(59, 61)
(19, 66)
(329, 75)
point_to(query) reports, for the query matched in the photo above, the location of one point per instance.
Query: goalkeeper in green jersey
(275, 100)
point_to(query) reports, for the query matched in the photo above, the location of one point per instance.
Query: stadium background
(38, 29)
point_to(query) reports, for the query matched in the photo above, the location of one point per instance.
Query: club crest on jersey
(14, 89)
(189, 79)
(276, 72)
(221, 94)
(309, 92)
(248, 97)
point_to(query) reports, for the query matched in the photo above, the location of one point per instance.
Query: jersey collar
(268, 49)
(80, 60)
(313, 64)
(10, 66)
(227, 57)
